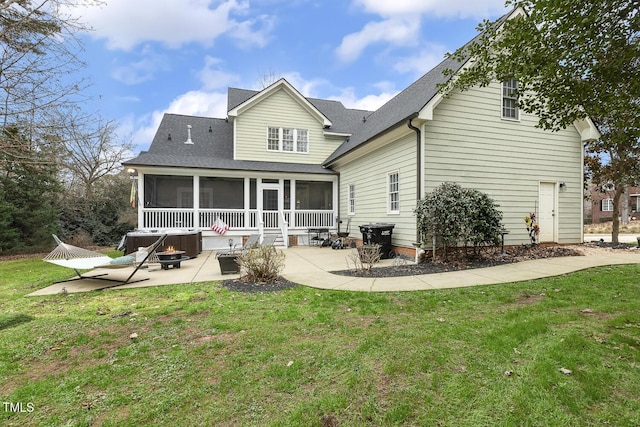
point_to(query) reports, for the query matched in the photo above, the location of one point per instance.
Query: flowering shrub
(532, 227)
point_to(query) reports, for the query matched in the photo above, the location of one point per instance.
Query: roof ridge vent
(189, 141)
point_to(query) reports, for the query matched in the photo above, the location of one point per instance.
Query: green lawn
(488, 355)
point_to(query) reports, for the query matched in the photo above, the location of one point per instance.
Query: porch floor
(311, 266)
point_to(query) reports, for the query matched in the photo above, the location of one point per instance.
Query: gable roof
(281, 84)
(343, 120)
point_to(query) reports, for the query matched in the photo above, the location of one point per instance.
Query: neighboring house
(284, 163)
(601, 203)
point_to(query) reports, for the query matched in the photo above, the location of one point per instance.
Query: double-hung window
(352, 199)
(510, 100)
(393, 185)
(288, 140)
(273, 139)
(607, 205)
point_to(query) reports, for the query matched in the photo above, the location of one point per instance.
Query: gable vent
(188, 141)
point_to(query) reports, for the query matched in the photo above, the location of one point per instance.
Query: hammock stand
(76, 258)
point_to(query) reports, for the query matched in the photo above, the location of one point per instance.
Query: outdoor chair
(77, 259)
(252, 241)
(269, 240)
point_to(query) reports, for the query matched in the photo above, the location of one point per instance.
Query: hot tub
(189, 241)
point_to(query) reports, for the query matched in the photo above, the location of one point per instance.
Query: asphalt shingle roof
(212, 148)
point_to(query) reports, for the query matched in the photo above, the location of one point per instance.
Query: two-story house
(284, 163)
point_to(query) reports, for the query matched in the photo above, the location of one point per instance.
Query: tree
(38, 53)
(29, 191)
(572, 59)
(91, 152)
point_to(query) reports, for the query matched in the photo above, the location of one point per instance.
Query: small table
(173, 259)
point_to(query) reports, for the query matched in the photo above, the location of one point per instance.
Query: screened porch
(243, 204)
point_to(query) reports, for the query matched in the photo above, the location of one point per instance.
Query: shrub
(456, 215)
(364, 258)
(261, 265)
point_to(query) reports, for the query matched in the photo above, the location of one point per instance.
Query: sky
(150, 57)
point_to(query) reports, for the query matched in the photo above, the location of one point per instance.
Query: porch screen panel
(314, 195)
(221, 193)
(168, 191)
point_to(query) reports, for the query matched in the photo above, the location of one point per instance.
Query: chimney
(188, 141)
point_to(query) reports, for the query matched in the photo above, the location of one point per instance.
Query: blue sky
(149, 57)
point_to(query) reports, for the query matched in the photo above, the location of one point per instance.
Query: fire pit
(171, 257)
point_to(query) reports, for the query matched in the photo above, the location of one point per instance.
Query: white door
(547, 212)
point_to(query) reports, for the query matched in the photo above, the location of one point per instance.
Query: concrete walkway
(311, 266)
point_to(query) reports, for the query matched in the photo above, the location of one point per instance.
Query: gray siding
(280, 109)
(468, 143)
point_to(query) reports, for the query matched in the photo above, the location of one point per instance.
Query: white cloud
(125, 24)
(368, 102)
(397, 30)
(213, 77)
(421, 62)
(438, 8)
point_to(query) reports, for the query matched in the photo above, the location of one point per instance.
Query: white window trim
(351, 199)
(609, 203)
(502, 98)
(280, 140)
(388, 192)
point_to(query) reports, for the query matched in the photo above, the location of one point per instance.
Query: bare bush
(364, 258)
(261, 265)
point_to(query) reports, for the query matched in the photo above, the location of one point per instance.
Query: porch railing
(236, 218)
(167, 218)
(314, 219)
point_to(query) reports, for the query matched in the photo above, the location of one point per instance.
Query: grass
(487, 355)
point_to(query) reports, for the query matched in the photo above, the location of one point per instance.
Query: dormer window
(510, 100)
(288, 140)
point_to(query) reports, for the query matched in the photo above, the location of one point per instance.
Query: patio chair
(76, 258)
(269, 240)
(252, 241)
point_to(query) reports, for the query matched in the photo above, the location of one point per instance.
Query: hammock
(76, 258)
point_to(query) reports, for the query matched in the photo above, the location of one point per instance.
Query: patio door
(270, 207)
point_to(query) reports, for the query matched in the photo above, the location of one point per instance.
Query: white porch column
(140, 201)
(196, 201)
(292, 205)
(247, 202)
(336, 200)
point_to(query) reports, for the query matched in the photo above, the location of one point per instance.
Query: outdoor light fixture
(563, 185)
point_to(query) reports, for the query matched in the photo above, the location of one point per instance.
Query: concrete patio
(311, 266)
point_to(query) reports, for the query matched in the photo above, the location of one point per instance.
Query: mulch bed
(460, 261)
(238, 285)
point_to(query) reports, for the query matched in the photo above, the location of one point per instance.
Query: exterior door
(547, 212)
(270, 214)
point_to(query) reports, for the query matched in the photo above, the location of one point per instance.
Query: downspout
(418, 162)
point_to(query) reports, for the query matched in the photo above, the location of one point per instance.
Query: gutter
(418, 157)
